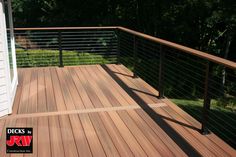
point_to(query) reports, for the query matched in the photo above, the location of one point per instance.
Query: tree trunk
(226, 54)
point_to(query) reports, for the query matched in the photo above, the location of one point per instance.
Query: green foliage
(226, 102)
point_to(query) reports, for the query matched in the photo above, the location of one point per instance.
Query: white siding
(3, 89)
(3, 98)
(1, 63)
(3, 83)
(2, 72)
(1, 54)
(4, 78)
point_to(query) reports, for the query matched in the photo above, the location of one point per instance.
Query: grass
(38, 58)
(222, 121)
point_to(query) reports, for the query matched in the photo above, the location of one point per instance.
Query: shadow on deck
(101, 110)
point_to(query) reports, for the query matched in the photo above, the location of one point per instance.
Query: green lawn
(38, 57)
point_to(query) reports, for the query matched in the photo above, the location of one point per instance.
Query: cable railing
(200, 83)
(62, 46)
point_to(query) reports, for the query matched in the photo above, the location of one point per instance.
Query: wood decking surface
(96, 110)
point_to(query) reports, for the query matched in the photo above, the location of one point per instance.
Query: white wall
(5, 83)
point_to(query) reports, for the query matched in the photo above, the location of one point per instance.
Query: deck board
(93, 140)
(58, 91)
(67, 136)
(56, 137)
(103, 135)
(49, 91)
(42, 92)
(43, 145)
(116, 137)
(80, 138)
(95, 110)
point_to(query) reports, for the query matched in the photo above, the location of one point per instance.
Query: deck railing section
(65, 46)
(202, 84)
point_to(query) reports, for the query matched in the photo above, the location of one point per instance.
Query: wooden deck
(98, 111)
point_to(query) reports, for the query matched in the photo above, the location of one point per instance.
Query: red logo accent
(19, 140)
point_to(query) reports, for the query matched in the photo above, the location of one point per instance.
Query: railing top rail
(185, 49)
(64, 28)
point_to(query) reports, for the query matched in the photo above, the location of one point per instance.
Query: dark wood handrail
(185, 49)
(194, 52)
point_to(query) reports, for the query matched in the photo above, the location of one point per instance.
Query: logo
(19, 140)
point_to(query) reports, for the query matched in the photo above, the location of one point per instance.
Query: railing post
(161, 73)
(135, 56)
(60, 49)
(207, 101)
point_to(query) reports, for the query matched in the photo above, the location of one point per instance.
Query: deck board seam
(80, 111)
